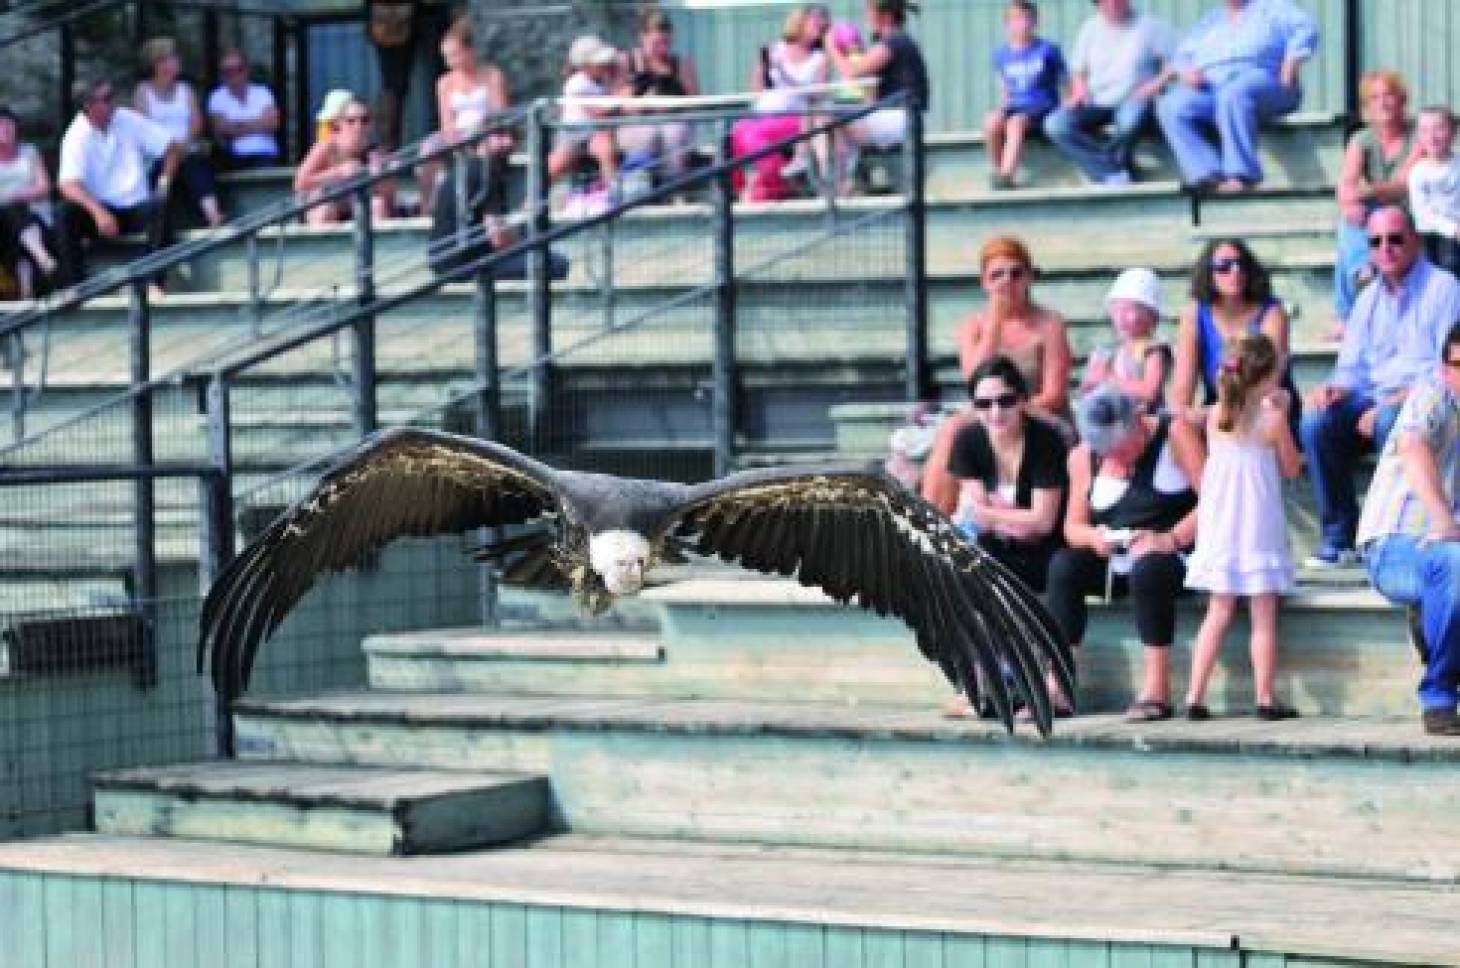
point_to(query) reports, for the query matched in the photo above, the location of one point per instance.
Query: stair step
(578, 900)
(548, 645)
(360, 809)
(1351, 797)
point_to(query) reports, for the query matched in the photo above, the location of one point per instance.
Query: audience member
(244, 117)
(783, 69)
(895, 63)
(1137, 364)
(1232, 296)
(1376, 166)
(169, 102)
(1410, 530)
(592, 67)
(1434, 188)
(343, 153)
(1117, 57)
(1012, 325)
(1394, 337)
(1237, 68)
(653, 70)
(1241, 527)
(1131, 515)
(1029, 71)
(394, 29)
(1012, 474)
(469, 93)
(25, 192)
(103, 176)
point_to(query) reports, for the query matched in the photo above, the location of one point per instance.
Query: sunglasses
(1224, 266)
(1394, 240)
(1453, 364)
(354, 118)
(1012, 273)
(1004, 401)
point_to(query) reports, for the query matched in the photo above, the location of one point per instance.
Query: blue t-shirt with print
(1031, 75)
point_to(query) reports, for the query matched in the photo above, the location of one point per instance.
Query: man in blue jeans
(1392, 341)
(1411, 534)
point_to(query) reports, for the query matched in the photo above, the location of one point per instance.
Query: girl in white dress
(1241, 533)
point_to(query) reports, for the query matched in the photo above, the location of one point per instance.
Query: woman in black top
(653, 70)
(1130, 519)
(1012, 474)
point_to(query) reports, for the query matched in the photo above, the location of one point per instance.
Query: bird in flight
(853, 532)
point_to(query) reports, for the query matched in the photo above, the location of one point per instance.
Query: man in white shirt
(103, 176)
(244, 117)
(1118, 54)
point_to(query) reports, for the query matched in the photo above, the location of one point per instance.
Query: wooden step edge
(544, 646)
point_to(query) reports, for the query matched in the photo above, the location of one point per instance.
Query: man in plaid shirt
(1410, 530)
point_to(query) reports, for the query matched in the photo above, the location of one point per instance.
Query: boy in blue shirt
(1029, 69)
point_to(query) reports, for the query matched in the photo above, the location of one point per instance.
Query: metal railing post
(488, 410)
(365, 417)
(15, 361)
(539, 282)
(255, 287)
(302, 139)
(279, 74)
(66, 52)
(211, 51)
(145, 522)
(218, 538)
(723, 405)
(916, 269)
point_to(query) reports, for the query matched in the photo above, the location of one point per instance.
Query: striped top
(1432, 412)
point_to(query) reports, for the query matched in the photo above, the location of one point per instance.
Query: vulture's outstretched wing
(398, 483)
(858, 534)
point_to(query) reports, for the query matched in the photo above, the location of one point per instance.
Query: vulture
(854, 532)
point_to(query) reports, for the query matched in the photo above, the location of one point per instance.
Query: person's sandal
(1198, 713)
(1148, 711)
(1276, 712)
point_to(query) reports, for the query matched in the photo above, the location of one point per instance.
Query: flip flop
(1148, 711)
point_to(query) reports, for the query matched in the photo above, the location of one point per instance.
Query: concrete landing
(608, 901)
(350, 808)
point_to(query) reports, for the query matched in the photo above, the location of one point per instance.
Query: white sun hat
(1138, 285)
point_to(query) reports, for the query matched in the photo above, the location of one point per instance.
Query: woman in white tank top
(169, 102)
(466, 95)
(792, 62)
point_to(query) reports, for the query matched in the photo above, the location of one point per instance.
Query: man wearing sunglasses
(1393, 339)
(1410, 530)
(103, 176)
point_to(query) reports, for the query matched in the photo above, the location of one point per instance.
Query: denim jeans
(1074, 129)
(1235, 110)
(1353, 256)
(1409, 571)
(1332, 444)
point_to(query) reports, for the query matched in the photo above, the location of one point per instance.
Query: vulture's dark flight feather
(852, 532)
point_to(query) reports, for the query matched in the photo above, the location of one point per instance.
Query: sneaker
(999, 181)
(1441, 722)
(1116, 179)
(1330, 557)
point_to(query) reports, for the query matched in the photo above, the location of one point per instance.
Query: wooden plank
(241, 914)
(580, 937)
(306, 930)
(545, 938)
(965, 951)
(806, 945)
(615, 939)
(1005, 952)
(844, 946)
(765, 944)
(691, 942)
(653, 940)
(729, 943)
(210, 923)
(439, 935)
(23, 915)
(509, 934)
(342, 930)
(150, 902)
(275, 911)
(474, 934)
(118, 924)
(883, 949)
(60, 927)
(181, 926)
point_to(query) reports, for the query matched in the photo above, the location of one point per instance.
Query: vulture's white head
(620, 558)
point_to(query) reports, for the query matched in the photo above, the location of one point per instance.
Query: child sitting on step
(1241, 533)
(1137, 364)
(1029, 69)
(1434, 188)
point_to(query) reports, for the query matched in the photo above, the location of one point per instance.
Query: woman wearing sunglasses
(1231, 296)
(1010, 325)
(345, 151)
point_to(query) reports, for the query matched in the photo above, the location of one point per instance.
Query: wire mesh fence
(614, 359)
